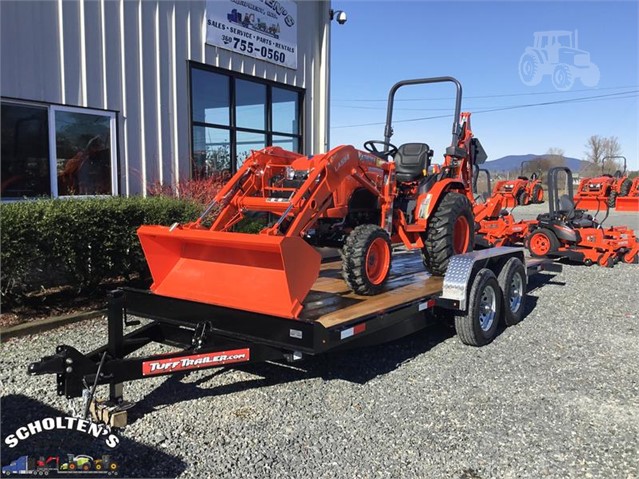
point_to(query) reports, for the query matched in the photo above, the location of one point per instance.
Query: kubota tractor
(602, 191)
(568, 232)
(348, 198)
(522, 190)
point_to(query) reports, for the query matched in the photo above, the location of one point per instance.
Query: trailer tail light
(195, 361)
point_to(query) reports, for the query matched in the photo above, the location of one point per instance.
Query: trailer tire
(512, 281)
(366, 259)
(450, 231)
(479, 325)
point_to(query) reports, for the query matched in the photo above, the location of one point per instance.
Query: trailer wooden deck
(330, 301)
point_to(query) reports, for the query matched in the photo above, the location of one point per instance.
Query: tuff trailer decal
(196, 361)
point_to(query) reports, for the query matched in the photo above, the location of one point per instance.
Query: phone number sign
(262, 29)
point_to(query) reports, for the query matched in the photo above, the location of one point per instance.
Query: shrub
(79, 243)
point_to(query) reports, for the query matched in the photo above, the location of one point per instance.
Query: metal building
(115, 96)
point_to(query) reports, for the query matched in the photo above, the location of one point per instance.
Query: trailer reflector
(195, 361)
(426, 305)
(347, 333)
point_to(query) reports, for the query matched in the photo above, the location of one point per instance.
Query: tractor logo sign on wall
(556, 53)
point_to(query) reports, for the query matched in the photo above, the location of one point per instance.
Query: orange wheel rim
(461, 235)
(540, 244)
(377, 261)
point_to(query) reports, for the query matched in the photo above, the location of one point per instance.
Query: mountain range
(513, 163)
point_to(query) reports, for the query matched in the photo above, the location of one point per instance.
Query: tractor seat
(525, 178)
(411, 160)
(578, 218)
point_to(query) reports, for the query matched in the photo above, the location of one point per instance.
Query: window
(25, 151)
(233, 115)
(57, 151)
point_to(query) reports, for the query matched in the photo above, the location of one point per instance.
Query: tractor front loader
(356, 200)
(601, 192)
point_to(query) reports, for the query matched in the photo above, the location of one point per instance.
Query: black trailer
(480, 290)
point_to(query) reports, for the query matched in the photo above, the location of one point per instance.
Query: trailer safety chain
(201, 334)
(86, 399)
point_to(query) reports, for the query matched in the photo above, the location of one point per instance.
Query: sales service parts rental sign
(262, 29)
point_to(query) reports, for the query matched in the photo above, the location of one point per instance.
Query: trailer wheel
(538, 194)
(541, 242)
(450, 231)
(512, 281)
(366, 259)
(479, 325)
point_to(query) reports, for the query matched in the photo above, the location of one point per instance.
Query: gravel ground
(556, 396)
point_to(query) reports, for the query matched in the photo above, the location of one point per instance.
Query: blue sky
(481, 43)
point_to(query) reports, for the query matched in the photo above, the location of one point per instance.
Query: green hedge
(77, 243)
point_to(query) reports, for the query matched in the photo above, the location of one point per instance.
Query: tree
(599, 150)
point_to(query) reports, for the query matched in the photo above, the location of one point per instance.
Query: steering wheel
(389, 148)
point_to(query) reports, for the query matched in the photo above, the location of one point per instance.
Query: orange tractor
(522, 190)
(602, 191)
(348, 198)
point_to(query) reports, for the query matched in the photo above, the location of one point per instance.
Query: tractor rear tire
(450, 231)
(479, 325)
(366, 259)
(512, 281)
(537, 194)
(612, 199)
(542, 242)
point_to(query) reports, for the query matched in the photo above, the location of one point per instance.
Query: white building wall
(132, 57)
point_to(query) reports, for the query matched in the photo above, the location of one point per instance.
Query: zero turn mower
(572, 233)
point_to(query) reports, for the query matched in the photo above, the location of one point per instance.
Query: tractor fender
(427, 202)
(537, 53)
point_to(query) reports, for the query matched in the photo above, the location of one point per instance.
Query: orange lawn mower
(571, 233)
(629, 202)
(601, 192)
(348, 198)
(522, 190)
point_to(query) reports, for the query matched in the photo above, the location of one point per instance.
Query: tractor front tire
(450, 231)
(522, 198)
(537, 194)
(624, 189)
(366, 259)
(612, 199)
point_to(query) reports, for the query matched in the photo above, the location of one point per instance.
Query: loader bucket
(259, 273)
(627, 203)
